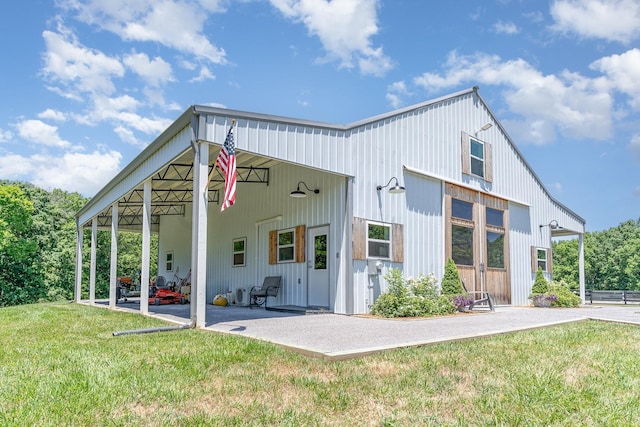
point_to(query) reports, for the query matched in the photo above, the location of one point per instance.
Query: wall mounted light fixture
(396, 189)
(298, 193)
(483, 128)
(553, 224)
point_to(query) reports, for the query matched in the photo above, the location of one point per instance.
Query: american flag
(227, 163)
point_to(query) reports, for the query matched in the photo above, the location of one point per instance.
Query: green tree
(540, 284)
(451, 283)
(20, 278)
(611, 258)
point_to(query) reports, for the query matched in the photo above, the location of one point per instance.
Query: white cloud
(50, 114)
(5, 136)
(78, 68)
(176, 24)
(623, 72)
(505, 28)
(39, 133)
(205, 74)
(345, 29)
(121, 111)
(613, 20)
(85, 173)
(535, 16)
(396, 92)
(154, 71)
(568, 103)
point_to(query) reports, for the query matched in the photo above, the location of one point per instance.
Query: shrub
(386, 305)
(451, 284)
(540, 285)
(411, 297)
(424, 286)
(565, 298)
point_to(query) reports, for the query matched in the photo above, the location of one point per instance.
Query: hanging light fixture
(396, 189)
(299, 194)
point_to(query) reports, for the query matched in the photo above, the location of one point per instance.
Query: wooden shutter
(549, 260)
(397, 245)
(488, 162)
(300, 243)
(359, 238)
(534, 259)
(466, 154)
(273, 247)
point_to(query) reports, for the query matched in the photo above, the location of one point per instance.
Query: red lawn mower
(160, 294)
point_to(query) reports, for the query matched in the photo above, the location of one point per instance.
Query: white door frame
(318, 278)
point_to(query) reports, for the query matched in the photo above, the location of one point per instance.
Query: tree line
(611, 258)
(38, 247)
(38, 244)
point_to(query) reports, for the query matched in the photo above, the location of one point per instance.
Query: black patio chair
(270, 287)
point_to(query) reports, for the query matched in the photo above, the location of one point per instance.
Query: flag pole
(215, 164)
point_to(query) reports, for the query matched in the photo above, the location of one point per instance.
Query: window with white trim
(378, 240)
(169, 261)
(287, 245)
(239, 252)
(477, 158)
(542, 259)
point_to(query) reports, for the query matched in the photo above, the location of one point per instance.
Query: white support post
(114, 256)
(581, 266)
(92, 270)
(346, 250)
(199, 236)
(146, 248)
(79, 237)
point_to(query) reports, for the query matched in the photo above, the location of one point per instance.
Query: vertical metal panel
(520, 232)
(255, 203)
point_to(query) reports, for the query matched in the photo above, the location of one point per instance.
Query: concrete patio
(335, 337)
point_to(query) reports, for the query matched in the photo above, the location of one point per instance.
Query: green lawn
(60, 365)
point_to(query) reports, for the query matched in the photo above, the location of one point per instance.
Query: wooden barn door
(477, 240)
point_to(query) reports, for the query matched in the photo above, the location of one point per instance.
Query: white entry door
(318, 267)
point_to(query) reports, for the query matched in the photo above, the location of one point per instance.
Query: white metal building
(468, 194)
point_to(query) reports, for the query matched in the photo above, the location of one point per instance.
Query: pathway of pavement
(335, 336)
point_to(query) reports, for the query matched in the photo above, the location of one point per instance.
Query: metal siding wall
(314, 147)
(428, 139)
(175, 235)
(424, 227)
(257, 202)
(520, 231)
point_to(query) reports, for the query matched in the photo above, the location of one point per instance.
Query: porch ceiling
(172, 188)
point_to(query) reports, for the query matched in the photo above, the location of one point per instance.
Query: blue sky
(87, 84)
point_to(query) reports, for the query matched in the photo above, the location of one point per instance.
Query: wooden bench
(479, 297)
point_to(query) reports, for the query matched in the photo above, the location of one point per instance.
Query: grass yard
(60, 365)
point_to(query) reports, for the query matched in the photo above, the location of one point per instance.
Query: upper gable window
(477, 158)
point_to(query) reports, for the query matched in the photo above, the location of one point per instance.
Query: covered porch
(172, 188)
